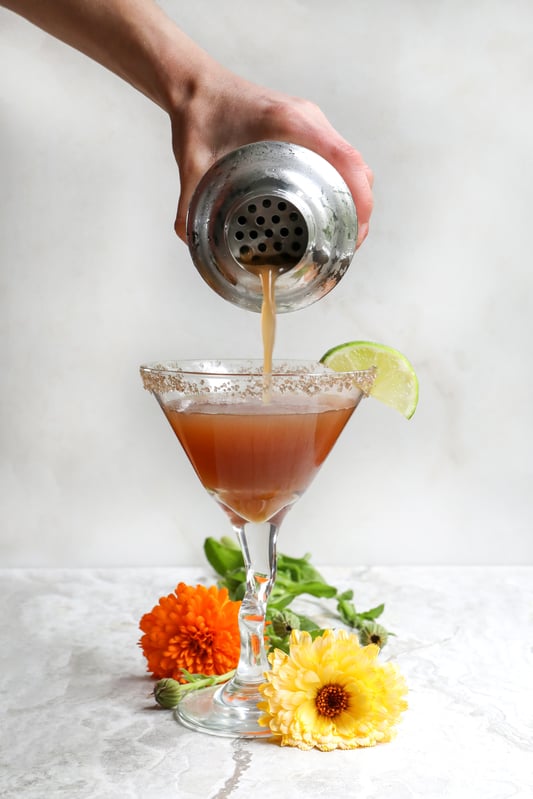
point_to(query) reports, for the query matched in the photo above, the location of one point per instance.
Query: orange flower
(195, 628)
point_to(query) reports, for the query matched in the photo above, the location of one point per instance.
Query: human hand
(212, 111)
(227, 112)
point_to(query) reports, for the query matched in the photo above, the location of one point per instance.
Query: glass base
(224, 711)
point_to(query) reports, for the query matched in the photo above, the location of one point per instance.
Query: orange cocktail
(257, 457)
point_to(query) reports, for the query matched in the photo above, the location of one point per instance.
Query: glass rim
(295, 366)
(184, 376)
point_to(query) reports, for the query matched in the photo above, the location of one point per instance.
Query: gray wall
(437, 96)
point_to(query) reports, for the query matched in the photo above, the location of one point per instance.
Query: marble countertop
(78, 720)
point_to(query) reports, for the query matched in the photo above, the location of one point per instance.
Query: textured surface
(78, 721)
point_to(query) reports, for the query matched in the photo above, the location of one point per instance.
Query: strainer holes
(239, 235)
(293, 216)
(268, 233)
(241, 220)
(252, 208)
(260, 220)
(253, 234)
(282, 206)
(278, 246)
(298, 231)
(267, 203)
(296, 246)
(276, 219)
(262, 247)
(284, 231)
(244, 250)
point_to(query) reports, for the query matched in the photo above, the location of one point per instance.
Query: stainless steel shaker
(272, 204)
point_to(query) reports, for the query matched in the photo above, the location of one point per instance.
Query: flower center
(331, 700)
(200, 642)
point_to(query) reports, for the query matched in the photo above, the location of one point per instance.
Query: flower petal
(336, 661)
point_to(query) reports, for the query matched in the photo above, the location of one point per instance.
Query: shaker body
(272, 205)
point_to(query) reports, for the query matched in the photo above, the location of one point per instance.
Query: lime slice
(396, 383)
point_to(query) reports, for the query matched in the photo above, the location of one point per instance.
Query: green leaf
(313, 588)
(307, 624)
(298, 569)
(278, 642)
(230, 543)
(295, 576)
(346, 595)
(282, 595)
(222, 558)
(373, 613)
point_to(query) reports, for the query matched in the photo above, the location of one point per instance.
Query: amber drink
(256, 458)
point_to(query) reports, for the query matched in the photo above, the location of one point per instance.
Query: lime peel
(396, 383)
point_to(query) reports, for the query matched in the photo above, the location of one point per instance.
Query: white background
(438, 98)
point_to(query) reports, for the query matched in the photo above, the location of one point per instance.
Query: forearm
(132, 38)
(211, 110)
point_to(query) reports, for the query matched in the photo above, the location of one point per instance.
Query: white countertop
(78, 720)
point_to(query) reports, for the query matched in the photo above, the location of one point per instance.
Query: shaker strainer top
(272, 204)
(268, 231)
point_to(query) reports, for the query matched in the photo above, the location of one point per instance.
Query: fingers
(362, 233)
(191, 171)
(314, 130)
(287, 119)
(359, 179)
(180, 225)
(360, 182)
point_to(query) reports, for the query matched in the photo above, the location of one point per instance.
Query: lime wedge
(396, 383)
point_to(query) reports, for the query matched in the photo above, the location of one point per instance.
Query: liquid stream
(268, 275)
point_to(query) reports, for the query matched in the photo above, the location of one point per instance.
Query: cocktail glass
(256, 442)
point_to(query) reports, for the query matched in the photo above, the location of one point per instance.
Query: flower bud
(373, 633)
(168, 692)
(283, 622)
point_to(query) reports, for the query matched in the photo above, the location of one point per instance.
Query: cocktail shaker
(272, 205)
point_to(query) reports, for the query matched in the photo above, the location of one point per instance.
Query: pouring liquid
(268, 276)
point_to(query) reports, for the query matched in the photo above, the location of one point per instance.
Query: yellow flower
(331, 693)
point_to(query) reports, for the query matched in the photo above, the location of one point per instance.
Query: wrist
(180, 70)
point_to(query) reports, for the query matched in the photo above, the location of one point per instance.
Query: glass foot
(223, 710)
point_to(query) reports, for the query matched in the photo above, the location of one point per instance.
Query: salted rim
(164, 376)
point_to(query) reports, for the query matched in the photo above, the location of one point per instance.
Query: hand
(227, 112)
(212, 111)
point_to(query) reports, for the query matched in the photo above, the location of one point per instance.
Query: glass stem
(258, 545)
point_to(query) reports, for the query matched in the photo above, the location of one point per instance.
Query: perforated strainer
(272, 204)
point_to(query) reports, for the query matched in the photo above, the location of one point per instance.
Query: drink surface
(255, 457)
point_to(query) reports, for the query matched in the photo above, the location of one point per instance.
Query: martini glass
(256, 442)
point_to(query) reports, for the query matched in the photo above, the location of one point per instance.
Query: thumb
(192, 166)
(190, 173)
(180, 225)
(186, 191)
